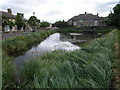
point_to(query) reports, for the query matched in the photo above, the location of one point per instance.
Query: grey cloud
(21, 5)
(104, 7)
(26, 1)
(52, 13)
(15, 9)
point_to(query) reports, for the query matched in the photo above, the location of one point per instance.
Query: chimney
(97, 14)
(85, 12)
(22, 15)
(9, 10)
(33, 13)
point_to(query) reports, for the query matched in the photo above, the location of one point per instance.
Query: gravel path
(6, 35)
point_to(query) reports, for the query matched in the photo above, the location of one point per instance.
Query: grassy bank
(8, 76)
(86, 68)
(59, 69)
(14, 46)
(17, 45)
(116, 63)
(0, 62)
(118, 59)
(24, 42)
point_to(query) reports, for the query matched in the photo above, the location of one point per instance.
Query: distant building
(86, 19)
(8, 16)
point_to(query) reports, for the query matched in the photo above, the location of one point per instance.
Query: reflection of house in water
(72, 37)
(86, 19)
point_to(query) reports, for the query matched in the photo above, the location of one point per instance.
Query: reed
(21, 43)
(89, 67)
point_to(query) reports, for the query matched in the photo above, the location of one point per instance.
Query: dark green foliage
(8, 22)
(95, 28)
(68, 30)
(19, 21)
(33, 22)
(44, 24)
(114, 17)
(61, 24)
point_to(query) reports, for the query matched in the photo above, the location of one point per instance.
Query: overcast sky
(54, 10)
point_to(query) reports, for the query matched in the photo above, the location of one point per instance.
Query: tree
(61, 24)
(113, 18)
(44, 24)
(11, 24)
(6, 21)
(19, 21)
(33, 21)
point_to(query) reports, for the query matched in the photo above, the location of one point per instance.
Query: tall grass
(16, 45)
(0, 62)
(22, 43)
(8, 76)
(89, 67)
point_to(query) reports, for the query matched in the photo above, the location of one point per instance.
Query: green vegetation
(44, 24)
(33, 22)
(95, 28)
(103, 31)
(8, 76)
(7, 22)
(61, 24)
(118, 66)
(119, 44)
(68, 30)
(90, 67)
(13, 45)
(21, 43)
(113, 18)
(19, 21)
(0, 63)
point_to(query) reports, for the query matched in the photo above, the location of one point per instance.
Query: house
(86, 19)
(8, 16)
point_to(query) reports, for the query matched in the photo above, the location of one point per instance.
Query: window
(81, 20)
(74, 23)
(91, 20)
(96, 23)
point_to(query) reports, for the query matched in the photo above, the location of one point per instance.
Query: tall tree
(114, 17)
(19, 21)
(33, 21)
